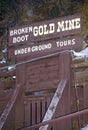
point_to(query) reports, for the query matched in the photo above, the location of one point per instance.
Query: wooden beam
(9, 106)
(52, 107)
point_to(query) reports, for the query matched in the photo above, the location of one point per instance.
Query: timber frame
(65, 100)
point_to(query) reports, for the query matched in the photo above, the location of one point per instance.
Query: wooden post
(16, 95)
(65, 76)
(19, 107)
(86, 101)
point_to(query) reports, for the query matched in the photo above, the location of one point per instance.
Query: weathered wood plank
(52, 107)
(9, 106)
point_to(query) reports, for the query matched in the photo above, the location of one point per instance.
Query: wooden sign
(45, 30)
(47, 47)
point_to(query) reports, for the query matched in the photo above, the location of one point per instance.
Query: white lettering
(60, 26)
(15, 32)
(22, 51)
(33, 49)
(69, 42)
(45, 30)
(40, 30)
(15, 52)
(11, 33)
(71, 24)
(77, 20)
(20, 31)
(20, 39)
(41, 47)
(68, 25)
(52, 28)
(73, 41)
(35, 31)
(65, 43)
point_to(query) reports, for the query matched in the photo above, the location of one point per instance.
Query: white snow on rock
(82, 54)
(85, 128)
(3, 61)
(5, 50)
(11, 67)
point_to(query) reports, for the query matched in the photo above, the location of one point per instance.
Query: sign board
(45, 30)
(47, 47)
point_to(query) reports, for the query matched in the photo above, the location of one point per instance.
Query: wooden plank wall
(45, 75)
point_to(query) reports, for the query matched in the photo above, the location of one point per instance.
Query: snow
(85, 128)
(82, 54)
(3, 61)
(5, 50)
(14, 77)
(11, 67)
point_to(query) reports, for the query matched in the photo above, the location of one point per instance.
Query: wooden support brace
(9, 106)
(56, 98)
